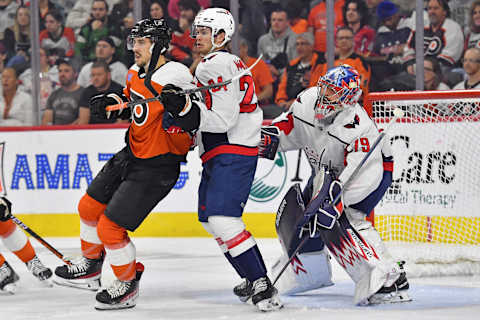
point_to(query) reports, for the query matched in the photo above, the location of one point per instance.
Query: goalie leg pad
(307, 271)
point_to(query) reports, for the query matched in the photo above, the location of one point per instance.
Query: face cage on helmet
(327, 106)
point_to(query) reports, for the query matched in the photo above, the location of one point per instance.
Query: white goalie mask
(217, 19)
(337, 89)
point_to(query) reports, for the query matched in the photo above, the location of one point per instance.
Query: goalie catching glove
(269, 142)
(321, 211)
(5, 209)
(99, 102)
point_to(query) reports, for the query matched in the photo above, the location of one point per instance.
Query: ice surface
(188, 278)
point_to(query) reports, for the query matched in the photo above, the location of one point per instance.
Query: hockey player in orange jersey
(17, 242)
(137, 178)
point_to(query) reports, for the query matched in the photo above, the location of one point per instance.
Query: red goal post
(430, 216)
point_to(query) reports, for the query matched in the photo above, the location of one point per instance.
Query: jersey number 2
(246, 84)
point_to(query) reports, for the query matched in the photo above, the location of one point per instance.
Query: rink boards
(45, 171)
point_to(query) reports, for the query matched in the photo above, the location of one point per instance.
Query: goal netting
(430, 216)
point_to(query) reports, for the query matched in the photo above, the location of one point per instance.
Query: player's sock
(120, 294)
(83, 274)
(8, 277)
(36, 267)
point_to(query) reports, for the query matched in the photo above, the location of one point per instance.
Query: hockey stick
(397, 114)
(40, 239)
(299, 159)
(130, 104)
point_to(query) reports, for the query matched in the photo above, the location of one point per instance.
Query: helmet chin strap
(156, 52)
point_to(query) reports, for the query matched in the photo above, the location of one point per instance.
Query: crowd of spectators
(83, 48)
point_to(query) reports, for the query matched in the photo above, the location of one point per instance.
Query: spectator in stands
(278, 45)
(44, 7)
(261, 74)
(471, 66)
(433, 75)
(63, 104)
(443, 38)
(174, 7)
(346, 55)
(253, 23)
(3, 60)
(57, 40)
(98, 28)
(355, 15)
(101, 83)
(7, 15)
(16, 107)
(317, 22)
(122, 15)
(472, 31)
(80, 14)
(297, 77)
(17, 37)
(181, 44)
(48, 79)
(389, 44)
(158, 10)
(372, 10)
(297, 22)
(104, 51)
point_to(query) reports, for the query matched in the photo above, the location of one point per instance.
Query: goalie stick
(40, 239)
(327, 234)
(131, 104)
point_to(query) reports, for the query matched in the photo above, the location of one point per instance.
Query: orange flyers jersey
(147, 138)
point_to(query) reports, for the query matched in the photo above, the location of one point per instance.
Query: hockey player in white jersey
(228, 136)
(336, 132)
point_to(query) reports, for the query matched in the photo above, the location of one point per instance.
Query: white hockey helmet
(217, 19)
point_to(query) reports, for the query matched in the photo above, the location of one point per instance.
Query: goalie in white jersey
(228, 136)
(336, 133)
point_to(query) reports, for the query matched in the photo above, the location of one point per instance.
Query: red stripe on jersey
(285, 125)
(388, 166)
(247, 108)
(242, 236)
(228, 148)
(219, 241)
(339, 207)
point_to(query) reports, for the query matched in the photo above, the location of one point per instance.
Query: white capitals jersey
(230, 121)
(341, 143)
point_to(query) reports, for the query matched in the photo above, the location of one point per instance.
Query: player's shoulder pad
(350, 124)
(218, 63)
(304, 105)
(174, 73)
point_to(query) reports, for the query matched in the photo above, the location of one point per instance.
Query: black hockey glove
(173, 101)
(5, 209)
(99, 102)
(269, 142)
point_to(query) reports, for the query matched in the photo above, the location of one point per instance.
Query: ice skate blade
(271, 304)
(393, 297)
(9, 289)
(84, 284)
(125, 305)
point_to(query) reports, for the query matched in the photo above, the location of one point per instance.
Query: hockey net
(430, 216)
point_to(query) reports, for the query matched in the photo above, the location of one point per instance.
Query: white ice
(188, 278)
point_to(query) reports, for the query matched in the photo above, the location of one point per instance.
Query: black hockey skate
(39, 271)
(265, 295)
(244, 290)
(8, 277)
(397, 292)
(83, 274)
(120, 294)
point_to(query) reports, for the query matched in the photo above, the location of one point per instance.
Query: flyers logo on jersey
(140, 111)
